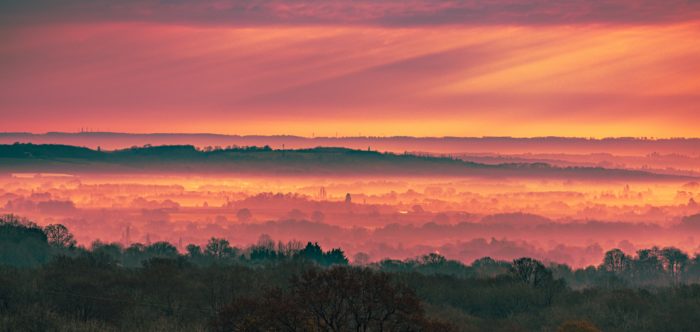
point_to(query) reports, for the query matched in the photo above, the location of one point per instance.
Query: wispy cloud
(634, 80)
(395, 13)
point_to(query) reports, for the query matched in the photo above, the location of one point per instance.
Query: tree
(134, 254)
(312, 251)
(433, 259)
(648, 265)
(59, 236)
(676, 261)
(161, 249)
(335, 299)
(266, 242)
(489, 268)
(110, 252)
(218, 248)
(616, 261)
(335, 257)
(356, 299)
(14, 220)
(22, 242)
(193, 250)
(531, 272)
(163, 280)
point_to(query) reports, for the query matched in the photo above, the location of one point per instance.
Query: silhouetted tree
(87, 287)
(616, 261)
(163, 280)
(531, 272)
(111, 251)
(434, 259)
(676, 260)
(335, 299)
(313, 252)
(264, 249)
(219, 248)
(22, 242)
(161, 249)
(648, 265)
(490, 268)
(193, 250)
(59, 236)
(134, 254)
(335, 257)
(157, 288)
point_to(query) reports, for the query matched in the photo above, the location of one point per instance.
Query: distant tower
(127, 235)
(348, 198)
(322, 193)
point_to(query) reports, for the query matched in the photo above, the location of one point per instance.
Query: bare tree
(531, 272)
(616, 261)
(59, 236)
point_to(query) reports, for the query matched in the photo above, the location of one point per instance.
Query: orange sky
(587, 78)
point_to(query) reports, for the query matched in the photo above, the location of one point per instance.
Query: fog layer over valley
(564, 221)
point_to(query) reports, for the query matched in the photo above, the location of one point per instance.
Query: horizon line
(641, 138)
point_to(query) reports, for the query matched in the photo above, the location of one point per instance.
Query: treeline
(25, 244)
(49, 283)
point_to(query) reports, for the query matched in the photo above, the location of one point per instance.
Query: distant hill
(322, 161)
(398, 144)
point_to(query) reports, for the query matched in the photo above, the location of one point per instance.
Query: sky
(369, 68)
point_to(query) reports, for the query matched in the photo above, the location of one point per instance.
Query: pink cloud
(422, 81)
(364, 12)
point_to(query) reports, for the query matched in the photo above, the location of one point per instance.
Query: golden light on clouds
(590, 80)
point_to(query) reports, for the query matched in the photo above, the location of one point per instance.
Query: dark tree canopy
(49, 283)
